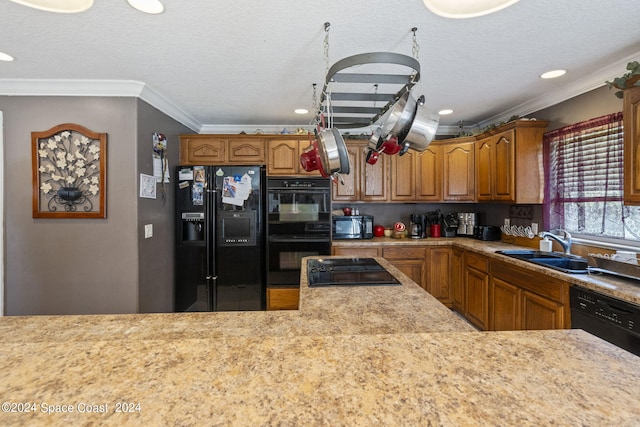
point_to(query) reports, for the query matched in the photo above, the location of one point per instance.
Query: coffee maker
(417, 227)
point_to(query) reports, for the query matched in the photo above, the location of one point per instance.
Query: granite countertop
(617, 287)
(357, 356)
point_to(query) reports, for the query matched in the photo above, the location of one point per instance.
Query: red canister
(435, 230)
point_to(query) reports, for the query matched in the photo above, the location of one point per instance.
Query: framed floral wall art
(69, 172)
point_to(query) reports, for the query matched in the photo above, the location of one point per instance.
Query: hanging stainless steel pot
(422, 130)
(399, 116)
(333, 152)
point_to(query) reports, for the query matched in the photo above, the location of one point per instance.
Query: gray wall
(82, 266)
(595, 103)
(156, 254)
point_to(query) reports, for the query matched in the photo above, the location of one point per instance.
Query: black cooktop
(348, 272)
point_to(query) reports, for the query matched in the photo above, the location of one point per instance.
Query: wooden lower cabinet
(456, 279)
(505, 304)
(476, 289)
(439, 274)
(283, 298)
(522, 299)
(411, 260)
(539, 312)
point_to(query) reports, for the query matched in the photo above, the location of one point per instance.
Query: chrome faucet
(565, 243)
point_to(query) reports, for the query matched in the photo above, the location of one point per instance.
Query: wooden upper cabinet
(509, 163)
(365, 182)
(443, 172)
(496, 156)
(246, 151)
(503, 182)
(429, 174)
(459, 171)
(284, 155)
(631, 123)
(403, 176)
(222, 149)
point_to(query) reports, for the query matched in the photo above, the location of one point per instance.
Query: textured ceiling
(219, 65)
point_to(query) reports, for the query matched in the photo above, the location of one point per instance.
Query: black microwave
(352, 227)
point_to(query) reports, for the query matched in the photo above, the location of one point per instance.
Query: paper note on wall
(236, 190)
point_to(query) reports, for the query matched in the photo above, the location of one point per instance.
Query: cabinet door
(459, 172)
(411, 267)
(631, 122)
(411, 260)
(505, 302)
(503, 181)
(429, 174)
(439, 273)
(284, 157)
(476, 297)
(350, 191)
(246, 151)
(539, 312)
(403, 176)
(283, 298)
(457, 281)
(484, 166)
(202, 150)
(374, 179)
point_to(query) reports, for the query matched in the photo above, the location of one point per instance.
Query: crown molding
(118, 88)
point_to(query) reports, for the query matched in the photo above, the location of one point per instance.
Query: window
(583, 175)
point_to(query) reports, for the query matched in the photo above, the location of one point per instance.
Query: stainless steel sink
(562, 262)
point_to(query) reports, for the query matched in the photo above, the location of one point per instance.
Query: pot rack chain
(366, 116)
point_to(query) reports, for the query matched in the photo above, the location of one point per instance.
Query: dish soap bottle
(546, 245)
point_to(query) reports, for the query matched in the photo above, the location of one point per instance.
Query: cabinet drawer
(362, 252)
(404, 253)
(543, 285)
(477, 261)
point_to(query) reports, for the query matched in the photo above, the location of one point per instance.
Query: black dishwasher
(609, 318)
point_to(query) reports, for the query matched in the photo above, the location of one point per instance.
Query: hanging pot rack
(366, 112)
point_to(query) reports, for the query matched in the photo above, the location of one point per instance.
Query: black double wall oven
(299, 225)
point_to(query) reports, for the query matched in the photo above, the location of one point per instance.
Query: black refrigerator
(220, 238)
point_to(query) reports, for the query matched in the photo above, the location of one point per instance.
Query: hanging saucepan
(423, 129)
(309, 159)
(400, 116)
(333, 152)
(389, 146)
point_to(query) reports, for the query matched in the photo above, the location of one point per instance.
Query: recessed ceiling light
(60, 6)
(445, 112)
(301, 111)
(147, 6)
(6, 57)
(466, 8)
(553, 74)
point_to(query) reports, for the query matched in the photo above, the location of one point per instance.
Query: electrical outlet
(148, 231)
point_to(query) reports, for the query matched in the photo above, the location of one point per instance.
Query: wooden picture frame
(69, 164)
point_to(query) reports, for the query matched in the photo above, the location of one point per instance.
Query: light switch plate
(148, 231)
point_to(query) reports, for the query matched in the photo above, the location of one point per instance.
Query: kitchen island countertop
(350, 356)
